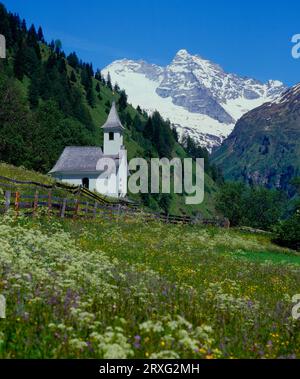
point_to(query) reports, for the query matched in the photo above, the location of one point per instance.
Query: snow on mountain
(196, 95)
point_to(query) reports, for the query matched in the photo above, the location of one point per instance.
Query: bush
(287, 233)
(256, 207)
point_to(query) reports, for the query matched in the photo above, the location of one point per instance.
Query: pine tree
(57, 46)
(90, 70)
(24, 27)
(32, 41)
(108, 81)
(73, 60)
(90, 96)
(122, 101)
(14, 121)
(128, 120)
(33, 95)
(175, 133)
(137, 124)
(148, 130)
(41, 35)
(20, 61)
(73, 77)
(116, 88)
(98, 76)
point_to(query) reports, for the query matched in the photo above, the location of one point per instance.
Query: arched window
(86, 183)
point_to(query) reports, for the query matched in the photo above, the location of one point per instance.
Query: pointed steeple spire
(113, 122)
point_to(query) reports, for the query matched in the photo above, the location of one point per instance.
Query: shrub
(287, 233)
(256, 207)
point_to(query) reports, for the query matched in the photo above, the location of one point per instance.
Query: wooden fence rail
(75, 208)
(79, 207)
(74, 190)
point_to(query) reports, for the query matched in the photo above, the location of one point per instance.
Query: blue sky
(250, 38)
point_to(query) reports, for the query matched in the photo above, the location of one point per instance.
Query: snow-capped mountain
(196, 95)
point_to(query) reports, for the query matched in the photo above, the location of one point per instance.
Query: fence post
(17, 203)
(86, 209)
(7, 201)
(35, 203)
(95, 209)
(63, 208)
(76, 209)
(119, 212)
(226, 223)
(49, 203)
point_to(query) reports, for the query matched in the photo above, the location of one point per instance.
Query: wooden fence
(37, 197)
(59, 187)
(30, 205)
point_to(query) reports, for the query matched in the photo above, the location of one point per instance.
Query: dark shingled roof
(113, 121)
(82, 159)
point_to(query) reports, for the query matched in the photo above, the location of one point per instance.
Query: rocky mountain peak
(197, 95)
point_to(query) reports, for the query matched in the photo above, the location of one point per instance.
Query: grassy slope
(20, 173)
(184, 242)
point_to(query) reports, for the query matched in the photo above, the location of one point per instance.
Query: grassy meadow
(102, 289)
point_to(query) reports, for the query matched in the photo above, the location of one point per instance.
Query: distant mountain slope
(195, 94)
(264, 147)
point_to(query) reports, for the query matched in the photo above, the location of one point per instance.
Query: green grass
(22, 174)
(102, 289)
(279, 258)
(192, 240)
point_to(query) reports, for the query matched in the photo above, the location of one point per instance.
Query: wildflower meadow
(127, 289)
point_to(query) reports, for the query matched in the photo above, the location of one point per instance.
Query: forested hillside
(50, 100)
(265, 145)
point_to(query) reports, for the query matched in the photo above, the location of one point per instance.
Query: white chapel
(103, 171)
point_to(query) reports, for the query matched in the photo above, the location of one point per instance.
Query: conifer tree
(73, 60)
(98, 76)
(90, 96)
(108, 81)
(57, 46)
(122, 101)
(116, 88)
(34, 90)
(73, 77)
(41, 35)
(24, 27)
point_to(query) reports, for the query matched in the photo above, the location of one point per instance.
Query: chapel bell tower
(113, 133)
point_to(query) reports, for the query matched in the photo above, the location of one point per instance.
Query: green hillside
(50, 100)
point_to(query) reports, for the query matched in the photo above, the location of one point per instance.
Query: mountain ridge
(197, 95)
(264, 147)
